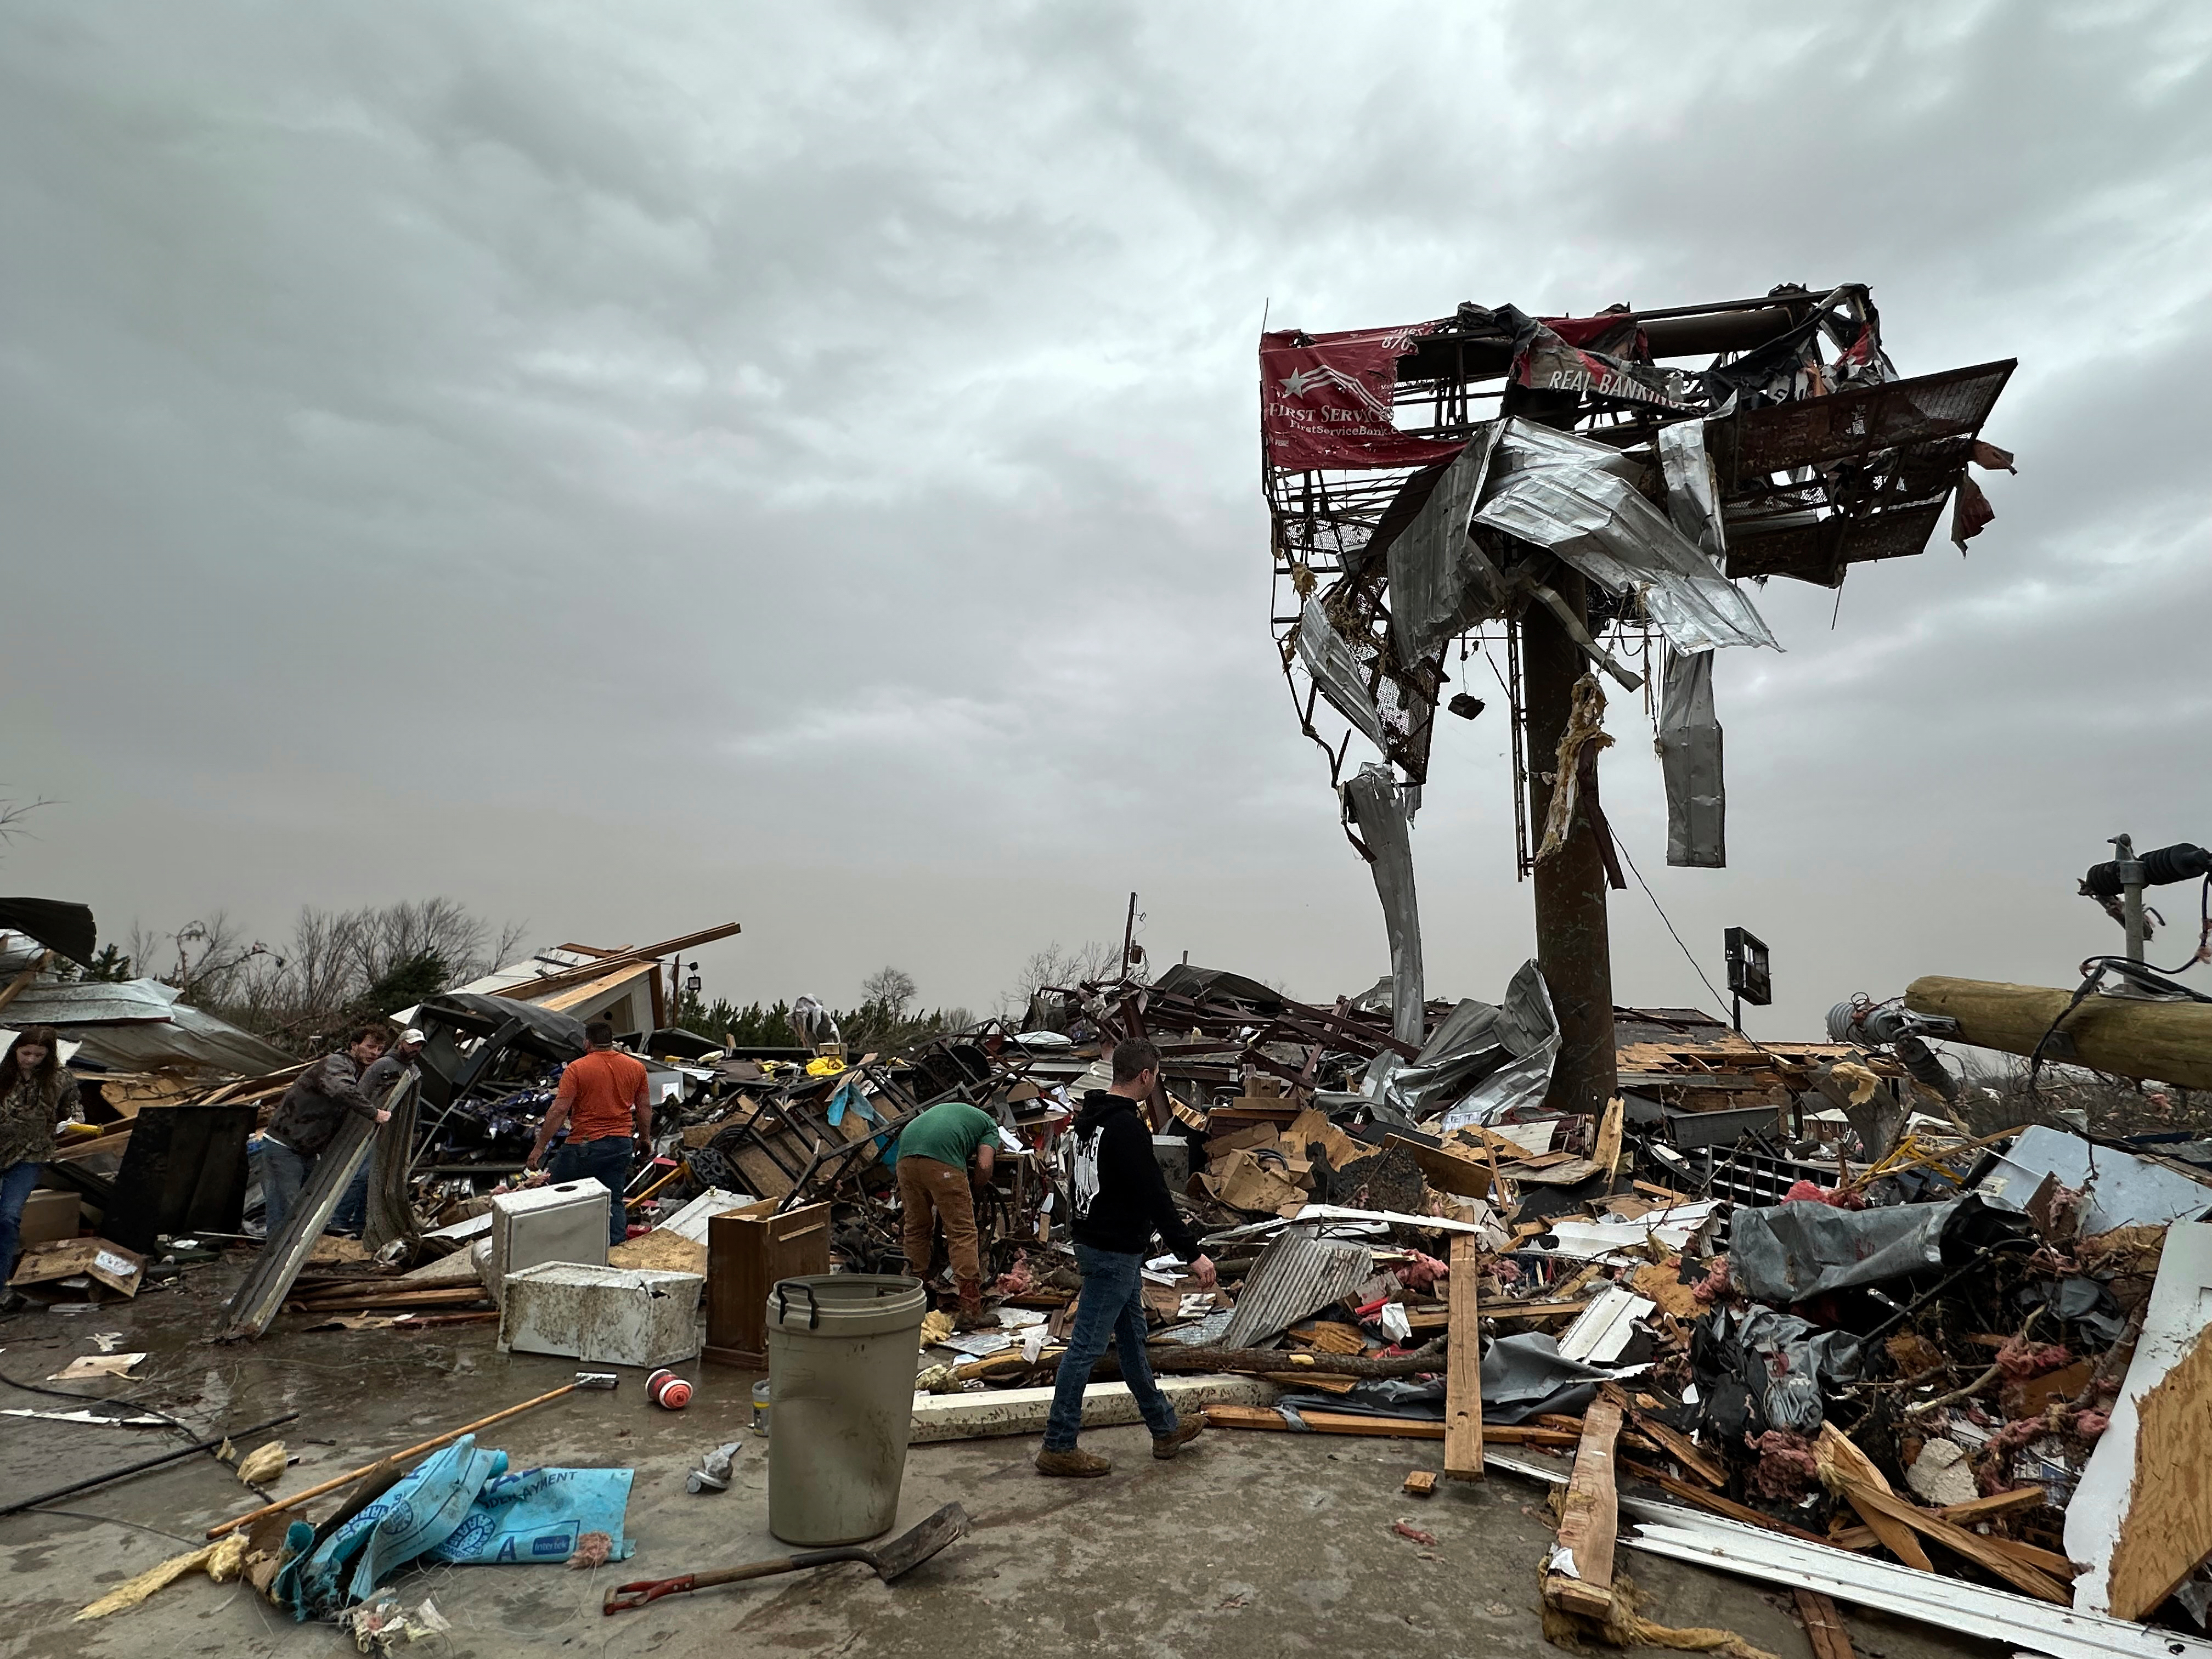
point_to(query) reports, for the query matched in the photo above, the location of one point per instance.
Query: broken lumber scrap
(1578, 1575)
(1982, 1551)
(1463, 1368)
(364, 1300)
(1269, 1418)
(1843, 1467)
(1606, 1152)
(2132, 1036)
(1684, 1450)
(1177, 1356)
(997, 1411)
(2017, 1501)
(390, 1460)
(1824, 1625)
(1421, 1483)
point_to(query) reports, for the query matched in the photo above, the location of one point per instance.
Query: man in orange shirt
(602, 1097)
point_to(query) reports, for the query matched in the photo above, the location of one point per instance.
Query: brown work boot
(972, 1316)
(1072, 1461)
(1165, 1446)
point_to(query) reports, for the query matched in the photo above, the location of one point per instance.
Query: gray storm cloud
(632, 470)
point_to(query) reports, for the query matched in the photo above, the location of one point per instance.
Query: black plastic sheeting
(57, 924)
(1523, 1377)
(546, 1032)
(1788, 1252)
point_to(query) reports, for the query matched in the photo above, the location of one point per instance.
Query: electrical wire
(1623, 850)
(113, 1521)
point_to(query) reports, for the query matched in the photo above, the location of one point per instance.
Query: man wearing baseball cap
(376, 1082)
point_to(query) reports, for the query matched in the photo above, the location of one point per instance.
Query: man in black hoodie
(1119, 1201)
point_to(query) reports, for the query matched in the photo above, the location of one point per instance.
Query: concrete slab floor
(1247, 1545)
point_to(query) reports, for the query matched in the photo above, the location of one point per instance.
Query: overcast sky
(633, 468)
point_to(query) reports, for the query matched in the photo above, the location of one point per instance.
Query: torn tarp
(1576, 497)
(1525, 1376)
(1377, 807)
(1482, 1060)
(1441, 583)
(1689, 744)
(1787, 1252)
(1336, 671)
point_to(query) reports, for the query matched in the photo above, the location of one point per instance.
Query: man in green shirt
(933, 1152)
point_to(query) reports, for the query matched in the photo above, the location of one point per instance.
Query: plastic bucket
(841, 1354)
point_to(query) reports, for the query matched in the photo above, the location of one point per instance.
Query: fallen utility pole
(2130, 1037)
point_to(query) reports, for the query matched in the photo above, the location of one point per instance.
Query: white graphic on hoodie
(1085, 1173)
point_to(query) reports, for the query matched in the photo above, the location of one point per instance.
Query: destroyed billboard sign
(1325, 400)
(1605, 356)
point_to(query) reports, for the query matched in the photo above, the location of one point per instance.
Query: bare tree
(12, 814)
(891, 989)
(340, 966)
(208, 961)
(1056, 965)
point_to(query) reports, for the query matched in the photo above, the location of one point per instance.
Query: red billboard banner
(1325, 400)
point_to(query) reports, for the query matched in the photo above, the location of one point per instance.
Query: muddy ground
(1258, 1544)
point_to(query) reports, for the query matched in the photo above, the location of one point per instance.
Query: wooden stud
(1824, 1625)
(1266, 1417)
(1463, 1368)
(1590, 1516)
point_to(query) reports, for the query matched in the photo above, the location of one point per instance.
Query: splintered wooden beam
(1463, 1368)
(1606, 1154)
(1824, 1625)
(1985, 1553)
(1844, 1468)
(1579, 1578)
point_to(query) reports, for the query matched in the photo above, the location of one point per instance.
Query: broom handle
(333, 1484)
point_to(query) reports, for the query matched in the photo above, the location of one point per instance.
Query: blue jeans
(1110, 1307)
(284, 1175)
(352, 1214)
(607, 1161)
(16, 1181)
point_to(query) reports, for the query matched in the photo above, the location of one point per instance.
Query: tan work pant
(929, 1190)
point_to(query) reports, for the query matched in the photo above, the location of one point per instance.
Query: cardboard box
(48, 1216)
(95, 1258)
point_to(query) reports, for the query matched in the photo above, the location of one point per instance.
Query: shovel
(903, 1553)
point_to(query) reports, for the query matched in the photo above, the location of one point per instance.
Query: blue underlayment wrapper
(458, 1505)
(537, 1514)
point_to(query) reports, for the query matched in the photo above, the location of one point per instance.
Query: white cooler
(607, 1316)
(566, 1221)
